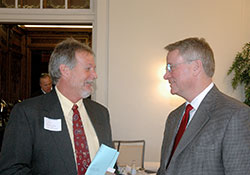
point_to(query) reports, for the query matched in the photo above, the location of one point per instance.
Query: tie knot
(189, 108)
(74, 107)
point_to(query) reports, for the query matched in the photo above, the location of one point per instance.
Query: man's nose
(94, 74)
(166, 75)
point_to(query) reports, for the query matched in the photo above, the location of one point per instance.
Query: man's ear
(197, 67)
(65, 71)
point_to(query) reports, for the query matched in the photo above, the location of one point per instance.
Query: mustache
(89, 82)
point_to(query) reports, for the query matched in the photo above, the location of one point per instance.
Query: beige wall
(138, 98)
(129, 37)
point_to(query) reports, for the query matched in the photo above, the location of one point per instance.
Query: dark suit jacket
(30, 149)
(37, 93)
(216, 142)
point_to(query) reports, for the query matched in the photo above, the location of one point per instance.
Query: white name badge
(52, 124)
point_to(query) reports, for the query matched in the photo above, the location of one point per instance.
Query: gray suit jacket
(216, 142)
(30, 149)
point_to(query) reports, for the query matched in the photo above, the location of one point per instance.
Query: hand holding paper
(105, 158)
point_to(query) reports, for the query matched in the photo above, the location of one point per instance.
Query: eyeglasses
(170, 67)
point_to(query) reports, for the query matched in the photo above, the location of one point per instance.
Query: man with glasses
(210, 132)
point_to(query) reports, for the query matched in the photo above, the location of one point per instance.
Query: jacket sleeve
(16, 150)
(236, 143)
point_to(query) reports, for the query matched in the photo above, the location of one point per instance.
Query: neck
(68, 93)
(198, 88)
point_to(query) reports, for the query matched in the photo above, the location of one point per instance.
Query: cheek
(185, 80)
(181, 74)
(176, 75)
(180, 79)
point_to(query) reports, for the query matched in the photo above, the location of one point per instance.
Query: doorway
(34, 44)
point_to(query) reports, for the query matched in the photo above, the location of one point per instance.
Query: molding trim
(46, 16)
(101, 48)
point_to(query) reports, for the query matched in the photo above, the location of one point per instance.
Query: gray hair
(64, 53)
(195, 49)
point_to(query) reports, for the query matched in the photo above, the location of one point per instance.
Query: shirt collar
(198, 99)
(66, 103)
(44, 91)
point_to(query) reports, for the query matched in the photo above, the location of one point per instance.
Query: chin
(86, 93)
(172, 92)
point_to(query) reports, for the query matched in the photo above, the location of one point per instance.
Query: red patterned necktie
(181, 130)
(81, 145)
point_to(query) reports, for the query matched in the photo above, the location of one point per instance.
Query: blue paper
(105, 158)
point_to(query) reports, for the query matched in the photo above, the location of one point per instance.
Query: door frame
(98, 16)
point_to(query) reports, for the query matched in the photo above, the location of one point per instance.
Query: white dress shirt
(197, 101)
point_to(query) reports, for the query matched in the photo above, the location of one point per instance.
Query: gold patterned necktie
(80, 141)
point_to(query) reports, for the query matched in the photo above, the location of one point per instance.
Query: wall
(138, 98)
(129, 37)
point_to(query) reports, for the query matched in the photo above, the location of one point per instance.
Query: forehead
(174, 56)
(45, 80)
(85, 58)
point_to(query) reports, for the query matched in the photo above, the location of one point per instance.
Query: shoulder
(30, 102)
(96, 111)
(221, 107)
(224, 101)
(38, 102)
(90, 104)
(37, 93)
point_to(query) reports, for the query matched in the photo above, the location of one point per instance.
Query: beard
(87, 93)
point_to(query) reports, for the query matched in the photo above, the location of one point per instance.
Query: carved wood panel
(12, 56)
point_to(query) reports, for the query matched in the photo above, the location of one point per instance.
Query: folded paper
(104, 159)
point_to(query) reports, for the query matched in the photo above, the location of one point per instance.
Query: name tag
(52, 124)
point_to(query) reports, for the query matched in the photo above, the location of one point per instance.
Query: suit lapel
(94, 119)
(53, 110)
(200, 118)
(171, 131)
(100, 120)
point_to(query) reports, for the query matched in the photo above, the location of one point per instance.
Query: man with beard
(59, 132)
(210, 133)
